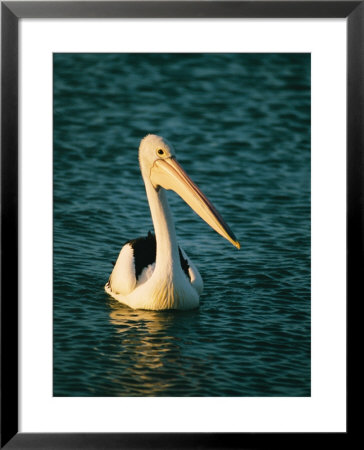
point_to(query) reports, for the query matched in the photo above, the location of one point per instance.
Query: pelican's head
(153, 148)
(158, 162)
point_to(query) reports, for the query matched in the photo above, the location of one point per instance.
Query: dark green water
(240, 124)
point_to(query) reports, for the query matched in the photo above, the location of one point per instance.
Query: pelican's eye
(160, 151)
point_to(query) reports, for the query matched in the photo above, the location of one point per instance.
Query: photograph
(181, 224)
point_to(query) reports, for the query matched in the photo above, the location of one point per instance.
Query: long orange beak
(169, 174)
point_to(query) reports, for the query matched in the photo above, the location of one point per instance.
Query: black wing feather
(145, 253)
(144, 249)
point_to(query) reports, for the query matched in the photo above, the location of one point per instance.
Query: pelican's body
(154, 272)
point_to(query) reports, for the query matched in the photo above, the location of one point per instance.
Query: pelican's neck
(165, 233)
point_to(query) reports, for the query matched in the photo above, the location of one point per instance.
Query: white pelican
(153, 272)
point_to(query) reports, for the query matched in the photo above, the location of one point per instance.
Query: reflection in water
(153, 352)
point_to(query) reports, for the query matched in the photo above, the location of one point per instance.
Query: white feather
(122, 279)
(147, 272)
(196, 279)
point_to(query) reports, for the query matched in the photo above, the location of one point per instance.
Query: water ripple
(241, 127)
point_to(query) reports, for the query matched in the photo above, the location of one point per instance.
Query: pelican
(154, 272)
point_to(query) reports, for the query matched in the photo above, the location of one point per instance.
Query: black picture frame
(11, 12)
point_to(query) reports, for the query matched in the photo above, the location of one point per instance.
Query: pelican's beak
(168, 174)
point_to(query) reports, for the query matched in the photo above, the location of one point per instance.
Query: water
(240, 124)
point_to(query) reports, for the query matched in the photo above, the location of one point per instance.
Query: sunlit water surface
(240, 124)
